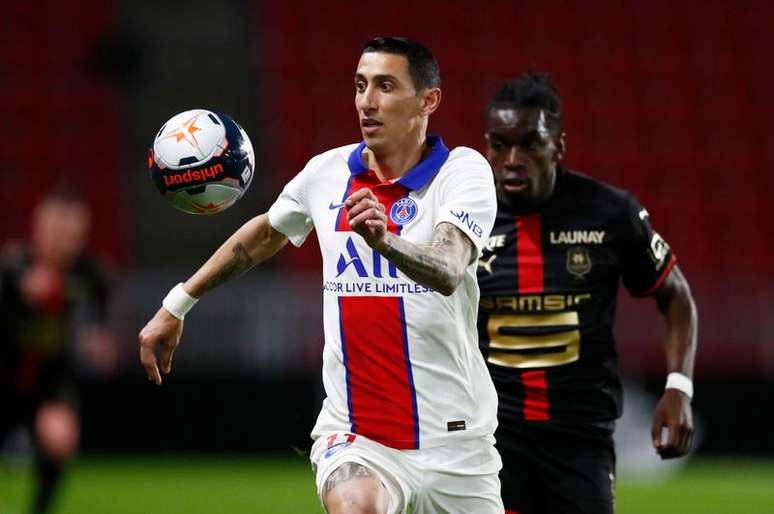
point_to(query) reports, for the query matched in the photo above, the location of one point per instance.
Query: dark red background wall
(60, 115)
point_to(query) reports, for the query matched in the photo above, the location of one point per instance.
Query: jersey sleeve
(646, 258)
(290, 213)
(468, 198)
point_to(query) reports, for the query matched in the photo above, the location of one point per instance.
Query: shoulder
(596, 191)
(465, 165)
(338, 155)
(333, 161)
(464, 157)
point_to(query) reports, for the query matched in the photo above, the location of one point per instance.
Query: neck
(390, 165)
(47, 257)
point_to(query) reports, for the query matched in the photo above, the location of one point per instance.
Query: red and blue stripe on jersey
(380, 385)
(381, 396)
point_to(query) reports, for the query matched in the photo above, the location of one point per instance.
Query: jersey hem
(426, 442)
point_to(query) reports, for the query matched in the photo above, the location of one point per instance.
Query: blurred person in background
(549, 278)
(53, 297)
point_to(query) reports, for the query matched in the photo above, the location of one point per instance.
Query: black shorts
(556, 474)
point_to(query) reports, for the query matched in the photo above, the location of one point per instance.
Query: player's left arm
(440, 265)
(673, 411)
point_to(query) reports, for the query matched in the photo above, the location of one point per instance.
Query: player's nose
(514, 158)
(366, 100)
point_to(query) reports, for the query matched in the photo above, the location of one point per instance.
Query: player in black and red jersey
(549, 277)
(51, 295)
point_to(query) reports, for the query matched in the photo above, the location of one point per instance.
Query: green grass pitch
(212, 485)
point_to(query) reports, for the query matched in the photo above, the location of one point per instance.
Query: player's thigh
(521, 484)
(581, 481)
(351, 468)
(459, 478)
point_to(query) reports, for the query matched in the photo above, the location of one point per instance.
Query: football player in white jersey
(410, 411)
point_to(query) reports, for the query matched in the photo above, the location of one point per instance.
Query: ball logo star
(186, 132)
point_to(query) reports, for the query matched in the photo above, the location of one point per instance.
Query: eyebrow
(378, 77)
(527, 138)
(502, 133)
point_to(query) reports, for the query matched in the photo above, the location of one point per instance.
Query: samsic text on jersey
(548, 292)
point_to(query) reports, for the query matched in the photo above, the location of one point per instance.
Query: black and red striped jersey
(549, 282)
(36, 339)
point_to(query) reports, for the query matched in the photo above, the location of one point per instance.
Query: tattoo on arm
(239, 263)
(345, 472)
(440, 265)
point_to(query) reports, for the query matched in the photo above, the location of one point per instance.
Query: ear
(430, 99)
(561, 146)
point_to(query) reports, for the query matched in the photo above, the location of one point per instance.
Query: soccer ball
(201, 161)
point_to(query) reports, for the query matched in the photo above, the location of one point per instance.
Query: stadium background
(667, 99)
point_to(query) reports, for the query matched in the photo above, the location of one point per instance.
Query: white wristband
(681, 383)
(178, 302)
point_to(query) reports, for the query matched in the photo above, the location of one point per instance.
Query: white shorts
(456, 478)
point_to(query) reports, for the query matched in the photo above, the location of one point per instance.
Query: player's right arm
(252, 244)
(649, 269)
(673, 411)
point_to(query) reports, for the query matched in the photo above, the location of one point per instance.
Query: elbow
(446, 289)
(692, 305)
(450, 284)
(683, 310)
(685, 297)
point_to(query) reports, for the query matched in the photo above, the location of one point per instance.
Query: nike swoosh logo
(334, 206)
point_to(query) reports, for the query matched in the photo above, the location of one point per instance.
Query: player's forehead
(375, 64)
(517, 121)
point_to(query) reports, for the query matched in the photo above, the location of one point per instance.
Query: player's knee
(356, 499)
(354, 489)
(57, 430)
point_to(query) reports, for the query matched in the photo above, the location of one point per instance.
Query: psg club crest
(578, 261)
(403, 211)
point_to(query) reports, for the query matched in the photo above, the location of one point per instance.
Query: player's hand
(162, 330)
(96, 343)
(673, 412)
(365, 215)
(42, 285)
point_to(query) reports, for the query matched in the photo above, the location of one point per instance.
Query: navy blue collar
(418, 176)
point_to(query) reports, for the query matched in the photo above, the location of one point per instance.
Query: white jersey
(401, 363)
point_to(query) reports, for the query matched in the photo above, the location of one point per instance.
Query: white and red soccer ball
(201, 161)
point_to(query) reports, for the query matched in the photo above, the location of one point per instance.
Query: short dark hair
(530, 90)
(422, 66)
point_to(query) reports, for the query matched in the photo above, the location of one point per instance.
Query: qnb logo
(353, 259)
(468, 220)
